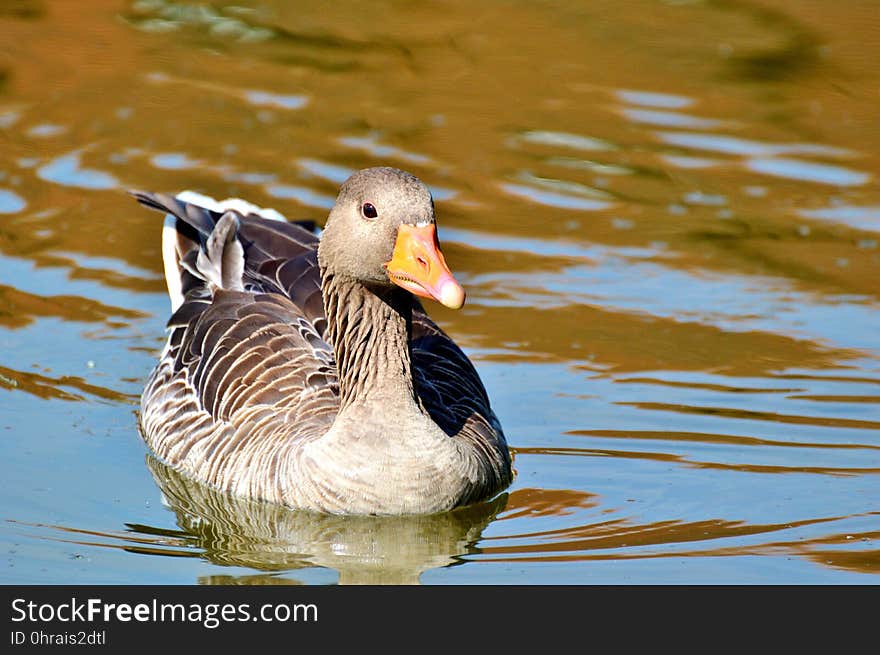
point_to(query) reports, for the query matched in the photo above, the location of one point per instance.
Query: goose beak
(418, 266)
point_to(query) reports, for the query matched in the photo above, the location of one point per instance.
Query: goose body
(302, 371)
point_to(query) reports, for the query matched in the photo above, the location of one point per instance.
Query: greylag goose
(302, 371)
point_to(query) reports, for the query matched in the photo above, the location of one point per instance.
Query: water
(665, 215)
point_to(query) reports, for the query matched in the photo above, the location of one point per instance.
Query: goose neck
(369, 330)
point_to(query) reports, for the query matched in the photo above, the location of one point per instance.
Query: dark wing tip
(158, 201)
(198, 217)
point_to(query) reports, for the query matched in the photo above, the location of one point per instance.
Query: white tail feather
(171, 261)
(234, 204)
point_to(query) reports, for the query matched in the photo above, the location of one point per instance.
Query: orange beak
(418, 266)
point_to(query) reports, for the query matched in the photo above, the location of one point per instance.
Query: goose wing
(453, 393)
(248, 332)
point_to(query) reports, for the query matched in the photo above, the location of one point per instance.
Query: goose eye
(369, 211)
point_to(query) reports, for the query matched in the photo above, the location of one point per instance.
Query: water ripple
(564, 140)
(67, 170)
(654, 99)
(11, 202)
(173, 161)
(372, 145)
(46, 130)
(752, 415)
(730, 145)
(796, 169)
(302, 195)
(670, 119)
(863, 218)
(554, 198)
(282, 101)
(46, 387)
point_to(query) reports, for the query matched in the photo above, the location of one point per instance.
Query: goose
(302, 369)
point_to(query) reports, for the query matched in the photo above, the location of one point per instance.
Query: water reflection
(562, 140)
(619, 540)
(863, 218)
(373, 146)
(67, 170)
(160, 16)
(11, 202)
(731, 145)
(555, 198)
(670, 119)
(653, 99)
(364, 550)
(796, 169)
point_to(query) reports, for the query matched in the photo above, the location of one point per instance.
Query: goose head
(382, 232)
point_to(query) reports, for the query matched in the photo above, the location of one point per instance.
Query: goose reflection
(235, 531)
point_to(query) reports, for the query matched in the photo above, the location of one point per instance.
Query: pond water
(666, 216)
